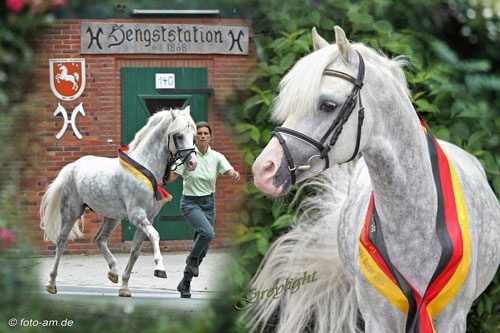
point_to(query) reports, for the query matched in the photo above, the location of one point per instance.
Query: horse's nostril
(190, 164)
(268, 167)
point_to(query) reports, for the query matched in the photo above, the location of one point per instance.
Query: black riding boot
(184, 288)
(192, 264)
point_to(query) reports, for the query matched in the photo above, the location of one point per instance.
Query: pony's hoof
(51, 289)
(113, 277)
(160, 274)
(124, 292)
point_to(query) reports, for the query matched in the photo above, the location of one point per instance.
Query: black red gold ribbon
(144, 175)
(453, 233)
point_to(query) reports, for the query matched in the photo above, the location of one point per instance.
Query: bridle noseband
(322, 145)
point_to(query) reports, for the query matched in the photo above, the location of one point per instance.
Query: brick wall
(102, 102)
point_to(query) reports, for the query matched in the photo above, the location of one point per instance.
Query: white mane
(300, 87)
(172, 120)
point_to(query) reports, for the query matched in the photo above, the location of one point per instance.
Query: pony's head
(175, 129)
(321, 104)
(180, 140)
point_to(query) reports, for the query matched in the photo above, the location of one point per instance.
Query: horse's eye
(327, 106)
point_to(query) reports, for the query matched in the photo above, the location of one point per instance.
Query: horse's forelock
(181, 122)
(299, 89)
(300, 86)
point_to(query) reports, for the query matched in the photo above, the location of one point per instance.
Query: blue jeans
(199, 212)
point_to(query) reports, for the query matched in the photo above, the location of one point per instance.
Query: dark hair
(204, 124)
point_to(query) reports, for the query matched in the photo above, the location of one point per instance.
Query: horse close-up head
(180, 140)
(321, 106)
(341, 100)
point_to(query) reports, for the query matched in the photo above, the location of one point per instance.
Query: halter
(335, 128)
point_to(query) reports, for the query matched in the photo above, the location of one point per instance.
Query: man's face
(202, 136)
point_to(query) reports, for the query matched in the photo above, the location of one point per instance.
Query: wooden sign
(137, 38)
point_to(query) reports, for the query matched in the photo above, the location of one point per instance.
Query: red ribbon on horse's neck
(453, 234)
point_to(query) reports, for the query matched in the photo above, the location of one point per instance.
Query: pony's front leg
(134, 254)
(141, 221)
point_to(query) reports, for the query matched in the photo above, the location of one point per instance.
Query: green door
(140, 99)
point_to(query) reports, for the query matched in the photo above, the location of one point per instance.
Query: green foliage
(484, 314)
(16, 58)
(16, 54)
(453, 74)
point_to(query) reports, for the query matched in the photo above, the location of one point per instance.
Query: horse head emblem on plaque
(67, 78)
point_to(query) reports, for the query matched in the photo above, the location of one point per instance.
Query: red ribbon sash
(453, 234)
(144, 175)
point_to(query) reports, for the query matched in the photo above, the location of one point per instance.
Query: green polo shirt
(202, 180)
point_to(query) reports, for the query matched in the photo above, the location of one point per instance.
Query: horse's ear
(346, 50)
(187, 109)
(318, 41)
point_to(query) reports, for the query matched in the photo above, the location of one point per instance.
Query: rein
(335, 128)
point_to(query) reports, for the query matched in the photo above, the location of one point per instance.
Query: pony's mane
(301, 85)
(173, 120)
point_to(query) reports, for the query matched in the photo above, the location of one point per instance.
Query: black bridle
(179, 157)
(322, 145)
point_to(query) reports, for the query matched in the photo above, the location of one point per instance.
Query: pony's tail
(327, 304)
(77, 77)
(50, 208)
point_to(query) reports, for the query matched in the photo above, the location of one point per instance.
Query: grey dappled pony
(395, 165)
(107, 188)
